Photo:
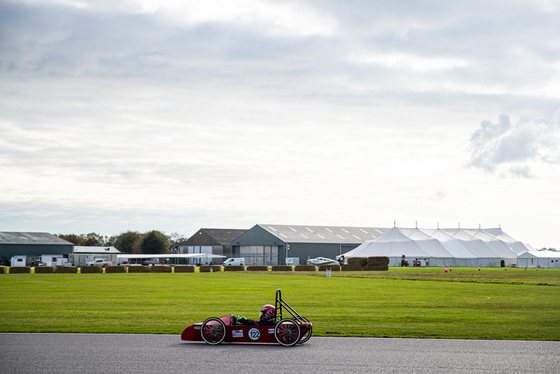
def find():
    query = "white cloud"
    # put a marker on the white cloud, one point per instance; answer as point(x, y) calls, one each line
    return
point(408, 61)
point(515, 148)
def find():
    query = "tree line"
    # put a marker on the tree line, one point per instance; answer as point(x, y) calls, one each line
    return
point(154, 241)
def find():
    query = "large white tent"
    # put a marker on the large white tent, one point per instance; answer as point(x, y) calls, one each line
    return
point(444, 247)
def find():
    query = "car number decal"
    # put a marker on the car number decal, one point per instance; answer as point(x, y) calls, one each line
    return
point(254, 334)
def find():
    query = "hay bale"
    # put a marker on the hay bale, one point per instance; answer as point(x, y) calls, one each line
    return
point(3, 270)
point(331, 267)
point(377, 267)
point(65, 270)
point(282, 268)
point(115, 269)
point(205, 268)
point(351, 267)
point(234, 268)
point(160, 269)
point(183, 269)
point(91, 269)
point(44, 270)
point(378, 260)
point(20, 270)
point(362, 261)
point(139, 269)
point(257, 268)
point(304, 268)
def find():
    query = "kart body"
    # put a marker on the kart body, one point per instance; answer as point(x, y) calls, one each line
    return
point(286, 332)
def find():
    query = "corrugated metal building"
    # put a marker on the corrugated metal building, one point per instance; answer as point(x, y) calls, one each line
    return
point(272, 244)
point(32, 244)
point(213, 241)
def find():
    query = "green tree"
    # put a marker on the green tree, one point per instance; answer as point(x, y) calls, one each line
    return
point(94, 240)
point(73, 238)
point(125, 242)
point(155, 242)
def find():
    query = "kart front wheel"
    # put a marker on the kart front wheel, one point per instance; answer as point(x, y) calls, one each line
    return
point(306, 335)
point(287, 332)
point(213, 331)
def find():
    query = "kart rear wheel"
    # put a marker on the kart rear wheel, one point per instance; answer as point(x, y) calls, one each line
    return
point(287, 332)
point(213, 331)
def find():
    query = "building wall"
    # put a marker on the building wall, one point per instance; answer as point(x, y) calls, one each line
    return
point(257, 236)
point(33, 250)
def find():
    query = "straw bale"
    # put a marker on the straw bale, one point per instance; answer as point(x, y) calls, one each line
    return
point(234, 268)
point(327, 267)
point(139, 269)
point(362, 261)
point(44, 269)
point(3, 270)
point(20, 270)
point(351, 267)
point(378, 260)
point(91, 269)
point(160, 269)
point(65, 270)
point(257, 268)
point(304, 268)
point(377, 267)
point(183, 269)
point(282, 268)
point(205, 268)
point(115, 269)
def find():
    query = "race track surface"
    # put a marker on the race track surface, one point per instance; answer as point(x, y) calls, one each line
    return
point(106, 353)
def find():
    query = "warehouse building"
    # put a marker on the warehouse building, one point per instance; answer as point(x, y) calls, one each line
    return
point(211, 241)
point(32, 245)
point(273, 244)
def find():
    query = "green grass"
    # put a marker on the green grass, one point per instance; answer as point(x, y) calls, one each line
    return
point(413, 302)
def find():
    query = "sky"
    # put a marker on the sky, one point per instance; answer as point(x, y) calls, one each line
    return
point(176, 115)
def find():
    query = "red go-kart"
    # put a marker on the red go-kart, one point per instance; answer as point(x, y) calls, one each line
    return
point(285, 331)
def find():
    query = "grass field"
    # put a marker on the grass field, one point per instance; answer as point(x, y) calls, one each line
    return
point(411, 302)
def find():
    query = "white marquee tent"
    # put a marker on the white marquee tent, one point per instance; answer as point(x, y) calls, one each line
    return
point(444, 247)
point(541, 259)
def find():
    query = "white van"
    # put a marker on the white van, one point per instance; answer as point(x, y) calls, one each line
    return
point(234, 261)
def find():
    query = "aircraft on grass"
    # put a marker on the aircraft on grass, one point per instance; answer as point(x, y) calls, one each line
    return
point(322, 261)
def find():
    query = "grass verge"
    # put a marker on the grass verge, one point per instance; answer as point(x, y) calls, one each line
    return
point(412, 303)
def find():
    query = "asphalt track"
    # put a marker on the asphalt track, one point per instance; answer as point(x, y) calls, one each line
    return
point(107, 353)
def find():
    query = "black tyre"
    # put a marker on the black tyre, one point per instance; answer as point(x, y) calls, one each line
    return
point(213, 331)
point(306, 335)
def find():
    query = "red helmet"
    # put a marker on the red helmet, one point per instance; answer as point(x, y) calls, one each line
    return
point(268, 312)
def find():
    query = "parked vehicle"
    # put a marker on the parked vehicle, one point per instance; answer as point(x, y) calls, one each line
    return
point(234, 262)
point(98, 262)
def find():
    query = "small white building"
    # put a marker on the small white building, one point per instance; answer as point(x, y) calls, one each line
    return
point(83, 254)
point(540, 259)
point(18, 260)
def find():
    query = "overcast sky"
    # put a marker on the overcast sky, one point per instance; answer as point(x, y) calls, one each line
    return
point(175, 115)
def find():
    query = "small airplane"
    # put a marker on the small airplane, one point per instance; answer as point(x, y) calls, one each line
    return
point(322, 261)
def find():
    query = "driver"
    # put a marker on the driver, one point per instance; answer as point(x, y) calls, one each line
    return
point(267, 315)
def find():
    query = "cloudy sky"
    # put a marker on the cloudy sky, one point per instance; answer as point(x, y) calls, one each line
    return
point(175, 115)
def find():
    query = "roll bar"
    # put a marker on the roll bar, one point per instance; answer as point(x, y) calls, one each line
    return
point(280, 304)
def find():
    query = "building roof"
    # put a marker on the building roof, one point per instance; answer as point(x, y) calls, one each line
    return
point(324, 234)
point(30, 238)
point(89, 249)
point(224, 236)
